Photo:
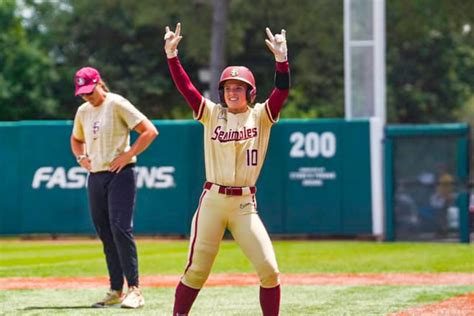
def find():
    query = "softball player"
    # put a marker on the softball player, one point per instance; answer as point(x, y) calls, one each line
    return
point(101, 143)
point(235, 143)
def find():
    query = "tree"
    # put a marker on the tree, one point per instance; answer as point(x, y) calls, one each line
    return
point(430, 64)
point(124, 40)
point(315, 42)
point(430, 60)
point(26, 72)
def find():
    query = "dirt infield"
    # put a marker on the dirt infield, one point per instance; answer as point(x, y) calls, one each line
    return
point(456, 306)
point(460, 306)
point(236, 279)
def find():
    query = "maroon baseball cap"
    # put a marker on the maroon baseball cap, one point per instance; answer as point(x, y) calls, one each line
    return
point(86, 78)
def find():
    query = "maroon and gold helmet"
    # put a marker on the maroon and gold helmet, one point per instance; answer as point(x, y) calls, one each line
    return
point(239, 73)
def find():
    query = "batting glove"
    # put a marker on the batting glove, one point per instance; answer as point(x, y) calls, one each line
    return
point(172, 40)
point(277, 45)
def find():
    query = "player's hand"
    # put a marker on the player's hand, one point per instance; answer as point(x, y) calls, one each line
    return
point(277, 45)
point(172, 40)
point(121, 161)
point(86, 163)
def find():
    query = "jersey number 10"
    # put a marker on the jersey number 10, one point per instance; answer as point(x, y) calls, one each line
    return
point(252, 157)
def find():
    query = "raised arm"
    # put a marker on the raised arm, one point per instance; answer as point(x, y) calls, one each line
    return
point(277, 45)
point(179, 75)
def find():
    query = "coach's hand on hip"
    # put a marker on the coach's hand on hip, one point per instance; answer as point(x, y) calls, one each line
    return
point(84, 161)
point(121, 161)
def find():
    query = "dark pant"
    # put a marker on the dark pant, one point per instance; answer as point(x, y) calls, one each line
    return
point(112, 201)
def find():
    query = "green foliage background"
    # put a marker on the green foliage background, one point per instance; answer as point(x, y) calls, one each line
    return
point(430, 64)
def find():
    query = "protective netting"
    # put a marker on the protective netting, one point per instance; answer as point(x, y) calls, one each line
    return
point(425, 188)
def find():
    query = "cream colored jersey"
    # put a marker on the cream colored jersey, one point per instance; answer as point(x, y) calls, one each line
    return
point(106, 129)
point(235, 145)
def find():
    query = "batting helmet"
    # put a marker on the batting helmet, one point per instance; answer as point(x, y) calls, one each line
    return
point(240, 73)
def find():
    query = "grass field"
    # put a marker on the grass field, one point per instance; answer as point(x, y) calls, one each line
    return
point(84, 258)
point(296, 300)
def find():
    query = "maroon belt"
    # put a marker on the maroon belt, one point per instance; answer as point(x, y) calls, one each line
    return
point(229, 190)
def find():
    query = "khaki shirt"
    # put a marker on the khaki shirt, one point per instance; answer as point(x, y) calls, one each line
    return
point(106, 129)
point(235, 145)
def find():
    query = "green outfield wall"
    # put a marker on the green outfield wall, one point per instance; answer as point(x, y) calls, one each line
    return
point(316, 179)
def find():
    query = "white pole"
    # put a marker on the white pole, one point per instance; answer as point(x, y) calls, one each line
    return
point(379, 60)
point(347, 60)
point(374, 42)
